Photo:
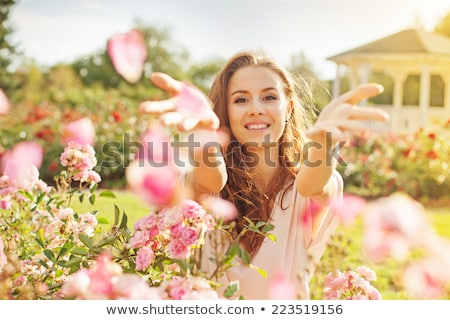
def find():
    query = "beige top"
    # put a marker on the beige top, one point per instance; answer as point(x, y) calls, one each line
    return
point(295, 253)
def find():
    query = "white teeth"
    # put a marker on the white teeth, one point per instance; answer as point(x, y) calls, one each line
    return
point(257, 126)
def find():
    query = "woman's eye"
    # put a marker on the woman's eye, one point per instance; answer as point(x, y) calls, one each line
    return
point(270, 97)
point(240, 100)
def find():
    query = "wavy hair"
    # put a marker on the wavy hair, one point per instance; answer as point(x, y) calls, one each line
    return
point(240, 188)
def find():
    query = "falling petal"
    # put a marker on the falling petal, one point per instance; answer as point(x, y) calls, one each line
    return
point(348, 208)
point(81, 131)
point(281, 288)
point(192, 102)
point(220, 208)
point(20, 164)
point(128, 52)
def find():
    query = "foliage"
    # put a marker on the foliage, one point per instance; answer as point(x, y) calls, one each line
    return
point(443, 26)
point(415, 163)
point(8, 49)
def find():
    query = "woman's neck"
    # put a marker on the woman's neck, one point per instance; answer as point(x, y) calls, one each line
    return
point(265, 166)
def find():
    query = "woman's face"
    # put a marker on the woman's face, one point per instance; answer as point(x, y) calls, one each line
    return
point(257, 106)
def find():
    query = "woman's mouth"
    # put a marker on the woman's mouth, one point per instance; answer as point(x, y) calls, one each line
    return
point(257, 126)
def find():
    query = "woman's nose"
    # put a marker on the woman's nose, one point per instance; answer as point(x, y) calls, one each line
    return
point(256, 108)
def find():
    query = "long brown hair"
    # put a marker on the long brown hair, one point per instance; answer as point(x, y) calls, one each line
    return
point(240, 188)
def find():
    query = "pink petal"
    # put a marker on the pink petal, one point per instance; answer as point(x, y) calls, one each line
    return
point(220, 208)
point(156, 146)
point(20, 164)
point(155, 185)
point(281, 288)
point(192, 102)
point(4, 103)
point(128, 53)
point(348, 208)
point(81, 131)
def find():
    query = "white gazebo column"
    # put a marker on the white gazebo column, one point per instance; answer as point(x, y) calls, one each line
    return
point(397, 100)
point(353, 76)
point(337, 82)
point(364, 72)
point(424, 94)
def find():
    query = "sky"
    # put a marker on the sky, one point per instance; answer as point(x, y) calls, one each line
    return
point(53, 31)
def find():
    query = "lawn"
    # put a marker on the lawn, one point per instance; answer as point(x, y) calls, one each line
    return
point(344, 252)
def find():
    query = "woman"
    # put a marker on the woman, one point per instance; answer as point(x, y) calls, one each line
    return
point(276, 168)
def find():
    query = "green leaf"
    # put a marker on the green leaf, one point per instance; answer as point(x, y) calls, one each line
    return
point(231, 289)
point(106, 241)
point(59, 273)
point(43, 263)
point(86, 241)
point(116, 215)
point(102, 220)
point(268, 228)
point(50, 255)
point(26, 194)
point(244, 255)
point(272, 237)
point(262, 272)
point(93, 188)
point(81, 197)
point(40, 243)
point(40, 197)
point(107, 194)
point(123, 223)
point(92, 199)
point(80, 251)
point(73, 261)
point(231, 253)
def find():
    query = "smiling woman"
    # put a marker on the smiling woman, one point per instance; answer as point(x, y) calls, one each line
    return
point(259, 104)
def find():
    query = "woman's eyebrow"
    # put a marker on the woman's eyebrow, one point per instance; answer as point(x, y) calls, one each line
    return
point(245, 91)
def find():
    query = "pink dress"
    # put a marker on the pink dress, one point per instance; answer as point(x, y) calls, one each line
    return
point(295, 252)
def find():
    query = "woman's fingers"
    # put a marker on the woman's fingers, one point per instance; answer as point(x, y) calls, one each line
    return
point(368, 113)
point(158, 107)
point(361, 92)
point(166, 82)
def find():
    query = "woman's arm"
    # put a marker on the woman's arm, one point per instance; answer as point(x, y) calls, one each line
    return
point(190, 110)
point(336, 124)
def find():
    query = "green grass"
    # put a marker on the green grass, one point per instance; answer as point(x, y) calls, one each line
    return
point(125, 201)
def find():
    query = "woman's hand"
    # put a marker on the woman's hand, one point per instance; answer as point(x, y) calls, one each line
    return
point(189, 109)
point(342, 118)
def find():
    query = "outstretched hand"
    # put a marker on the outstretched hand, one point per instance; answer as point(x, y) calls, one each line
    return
point(188, 109)
point(342, 117)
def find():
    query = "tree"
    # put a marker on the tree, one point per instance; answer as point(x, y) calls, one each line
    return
point(443, 26)
point(202, 74)
point(314, 90)
point(7, 50)
point(164, 55)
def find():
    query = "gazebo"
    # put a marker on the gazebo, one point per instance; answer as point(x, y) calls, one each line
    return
point(400, 57)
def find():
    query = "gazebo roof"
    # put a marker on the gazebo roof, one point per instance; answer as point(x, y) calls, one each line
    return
point(406, 41)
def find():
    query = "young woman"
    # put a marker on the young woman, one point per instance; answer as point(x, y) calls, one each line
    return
point(277, 167)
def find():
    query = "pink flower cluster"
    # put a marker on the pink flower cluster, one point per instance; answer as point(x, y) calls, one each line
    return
point(190, 288)
point(106, 281)
point(80, 161)
point(171, 232)
point(57, 226)
point(9, 190)
point(61, 222)
point(351, 285)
